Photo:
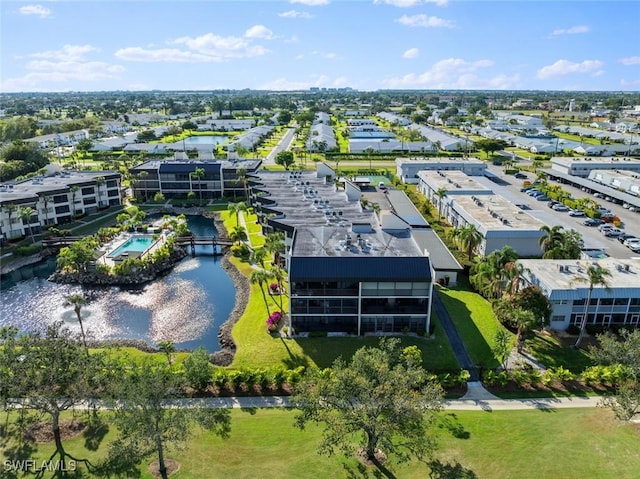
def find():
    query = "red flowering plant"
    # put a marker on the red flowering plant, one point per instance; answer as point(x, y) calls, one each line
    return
point(273, 321)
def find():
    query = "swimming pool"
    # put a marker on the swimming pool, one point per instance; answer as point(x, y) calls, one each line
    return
point(138, 244)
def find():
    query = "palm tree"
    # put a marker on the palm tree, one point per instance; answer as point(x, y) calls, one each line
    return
point(242, 178)
point(552, 238)
point(77, 301)
point(238, 234)
point(11, 208)
point(279, 275)
point(260, 277)
point(199, 174)
point(274, 243)
point(46, 200)
point(258, 256)
point(168, 348)
point(74, 191)
point(470, 238)
point(525, 321)
point(596, 276)
point(236, 208)
point(441, 193)
point(513, 272)
point(25, 215)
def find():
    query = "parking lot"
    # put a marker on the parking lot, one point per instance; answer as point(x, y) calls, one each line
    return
point(509, 187)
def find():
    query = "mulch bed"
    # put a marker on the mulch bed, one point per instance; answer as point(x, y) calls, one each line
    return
point(41, 432)
point(171, 465)
point(361, 455)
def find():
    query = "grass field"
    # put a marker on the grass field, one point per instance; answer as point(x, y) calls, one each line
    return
point(563, 443)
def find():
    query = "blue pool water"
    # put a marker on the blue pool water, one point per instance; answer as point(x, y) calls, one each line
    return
point(139, 244)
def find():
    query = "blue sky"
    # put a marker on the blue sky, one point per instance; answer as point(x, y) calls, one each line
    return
point(297, 44)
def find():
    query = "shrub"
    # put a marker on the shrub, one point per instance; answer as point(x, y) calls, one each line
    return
point(27, 250)
point(198, 369)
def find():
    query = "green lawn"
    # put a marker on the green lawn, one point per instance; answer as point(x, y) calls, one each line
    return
point(475, 322)
point(564, 443)
point(553, 354)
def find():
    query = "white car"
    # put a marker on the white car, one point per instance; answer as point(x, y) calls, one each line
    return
point(604, 227)
point(631, 242)
point(560, 207)
point(613, 232)
point(576, 213)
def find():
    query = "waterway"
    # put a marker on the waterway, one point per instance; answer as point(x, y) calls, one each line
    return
point(187, 306)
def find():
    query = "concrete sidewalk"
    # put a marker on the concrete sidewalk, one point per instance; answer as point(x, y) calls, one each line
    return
point(462, 404)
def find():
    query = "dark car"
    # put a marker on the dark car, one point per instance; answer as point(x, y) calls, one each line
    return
point(551, 204)
point(592, 222)
point(521, 176)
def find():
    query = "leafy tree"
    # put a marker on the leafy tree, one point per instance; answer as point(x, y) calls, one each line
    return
point(490, 145)
point(596, 276)
point(522, 320)
point(78, 301)
point(147, 420)
point(45, 375)
point(381, 395)
point(189, 125)
point(145, 136)
point(533, 299)
point(284, 117)
point(78, 255)
point(198, 369)
point(284, 158)
point(624, 350)
point(19, 158)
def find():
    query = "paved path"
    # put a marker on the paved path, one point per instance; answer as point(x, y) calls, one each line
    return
point(491, 403)
point(283, 145)
point(464, 360)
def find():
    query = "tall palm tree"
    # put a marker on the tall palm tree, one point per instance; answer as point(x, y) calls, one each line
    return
point(74, 191)
point(596, 276)
point(142, 176)
point(470, 238)
point(77, 301)
point(441, 193)
point(242, 179)
point(274, 242)
point(46, 200)
point(279, 275)
point(236, 208)
point(199, 174)
point(10, 208)
point(168, 347)
point(25, 215)
point(238, 234)
point(525, 321)
point(260, 277)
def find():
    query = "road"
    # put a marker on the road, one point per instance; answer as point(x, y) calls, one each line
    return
point(283, 145)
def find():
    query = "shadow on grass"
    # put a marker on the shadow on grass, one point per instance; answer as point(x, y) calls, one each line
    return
point(294, 360)
point(94, 434)
point(475, 343)
point(444, 470)
point(360, 471)
point(449, 421)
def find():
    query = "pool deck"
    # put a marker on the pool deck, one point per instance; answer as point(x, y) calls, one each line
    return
point(108, 248)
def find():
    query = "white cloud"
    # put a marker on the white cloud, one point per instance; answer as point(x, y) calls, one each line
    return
point(66, 53)
point(565, 67)
point(42, 12)
point(294, 14)
point(629, 83)
point(162, 55)
point(424, 21)
point(311, 3)
point(455, 73)
point(222, 48)
point(630, 61)
point(259, 31)
point(411, 53)
point(571, 30)
point(410, 3)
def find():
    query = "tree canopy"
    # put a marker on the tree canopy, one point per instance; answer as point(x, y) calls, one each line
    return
point(284, 158)
point(381, 395)
point(489, 145)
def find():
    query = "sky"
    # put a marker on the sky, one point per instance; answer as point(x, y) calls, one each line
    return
point(93, 45)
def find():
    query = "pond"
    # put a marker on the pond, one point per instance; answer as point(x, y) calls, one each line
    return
point(187, 306)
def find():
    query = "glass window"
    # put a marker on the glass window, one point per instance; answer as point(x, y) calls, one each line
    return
point(621, 301)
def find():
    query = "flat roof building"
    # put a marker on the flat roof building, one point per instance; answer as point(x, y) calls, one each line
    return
point(582, 166)
point(407, 169)
point(566, 285)
point(350, 270)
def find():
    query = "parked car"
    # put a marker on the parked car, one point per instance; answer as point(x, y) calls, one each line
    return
point(551, 204)
point(598, 195)
point(634, 209)
point(602, 210)
point(576, 213)
point(625, 237)
point(629, 242)
point(533, 191)
point(542, 198)
point(613, 232)
point(521, 176)
point(635, 247)
point(560, 207)
point(604, 227)
point(592, 222)
point(524, 189)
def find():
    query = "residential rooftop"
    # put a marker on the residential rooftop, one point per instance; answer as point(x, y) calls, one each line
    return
point(444, 161)
point(587, 160)
point(493, 212)
point(453, 181)
point(572, 274)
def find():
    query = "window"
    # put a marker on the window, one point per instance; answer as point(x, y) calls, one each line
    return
point(557, 318)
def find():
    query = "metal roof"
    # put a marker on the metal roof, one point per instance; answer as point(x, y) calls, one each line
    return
point(441, 258)
point(175, 167)
point(304, 268)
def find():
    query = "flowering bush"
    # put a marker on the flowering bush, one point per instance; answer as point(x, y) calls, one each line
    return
point(273, 321)
point(273, 287)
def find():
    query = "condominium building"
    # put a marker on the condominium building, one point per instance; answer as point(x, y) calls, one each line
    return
point(55, 200)
point(566, 285)
point(407, 169)
point(350, 269)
